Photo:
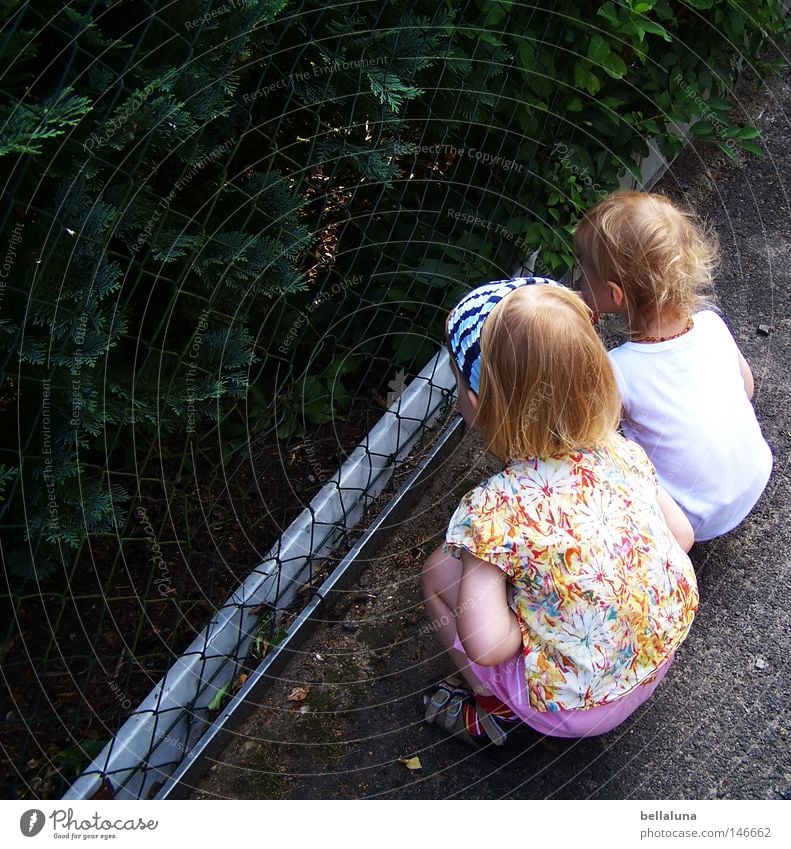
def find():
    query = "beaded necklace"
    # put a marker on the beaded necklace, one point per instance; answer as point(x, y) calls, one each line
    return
point(686, 329)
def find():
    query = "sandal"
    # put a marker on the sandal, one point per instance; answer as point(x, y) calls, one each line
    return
point(454, 711)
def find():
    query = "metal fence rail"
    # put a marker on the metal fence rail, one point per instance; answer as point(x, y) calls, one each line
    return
point(174, 716)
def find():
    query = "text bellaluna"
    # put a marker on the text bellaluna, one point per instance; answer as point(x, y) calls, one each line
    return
point(666, 815)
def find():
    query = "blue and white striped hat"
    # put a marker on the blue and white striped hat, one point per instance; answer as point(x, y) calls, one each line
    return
point(465, 323)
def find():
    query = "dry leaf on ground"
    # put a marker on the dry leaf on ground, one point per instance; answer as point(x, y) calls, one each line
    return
point(298, 694)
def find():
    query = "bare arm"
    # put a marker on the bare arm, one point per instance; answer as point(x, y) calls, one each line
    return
point(676, 520)
point(486, 625)
point(747, 376)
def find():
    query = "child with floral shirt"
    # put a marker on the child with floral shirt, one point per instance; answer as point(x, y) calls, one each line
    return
point(563, 589)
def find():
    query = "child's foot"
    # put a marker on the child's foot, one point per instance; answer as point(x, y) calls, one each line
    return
point(478, 721)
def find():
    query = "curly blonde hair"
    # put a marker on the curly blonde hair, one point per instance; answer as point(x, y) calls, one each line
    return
point(659, 255)
point(547, 385)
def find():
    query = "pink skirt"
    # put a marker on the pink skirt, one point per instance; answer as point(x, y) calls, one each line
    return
point(507, 682)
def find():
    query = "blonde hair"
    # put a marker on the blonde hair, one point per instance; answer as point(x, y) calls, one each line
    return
point(547, 386)
point(658, 254)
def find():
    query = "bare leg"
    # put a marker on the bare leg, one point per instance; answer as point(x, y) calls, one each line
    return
point(676, 520)
point(441, 576)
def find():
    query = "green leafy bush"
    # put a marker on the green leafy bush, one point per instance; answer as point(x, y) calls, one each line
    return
point(217, 210)
point(145, 234)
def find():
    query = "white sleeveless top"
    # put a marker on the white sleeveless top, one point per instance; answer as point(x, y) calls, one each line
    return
point(685, 404)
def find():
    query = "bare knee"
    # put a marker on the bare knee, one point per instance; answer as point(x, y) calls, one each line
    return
point(441, 573)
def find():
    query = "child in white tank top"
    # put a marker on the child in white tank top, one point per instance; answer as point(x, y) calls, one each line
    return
point(685, 386)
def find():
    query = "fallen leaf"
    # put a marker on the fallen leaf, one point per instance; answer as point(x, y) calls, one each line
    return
point(216, 702)
point(298, 694)
point(396, 387)
point(411, 763)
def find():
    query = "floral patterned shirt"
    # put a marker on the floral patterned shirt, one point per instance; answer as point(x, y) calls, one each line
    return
point(602, 591)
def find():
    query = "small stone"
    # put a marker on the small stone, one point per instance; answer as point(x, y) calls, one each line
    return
point(764, 329)
point(350, 627)
point(760, 663)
